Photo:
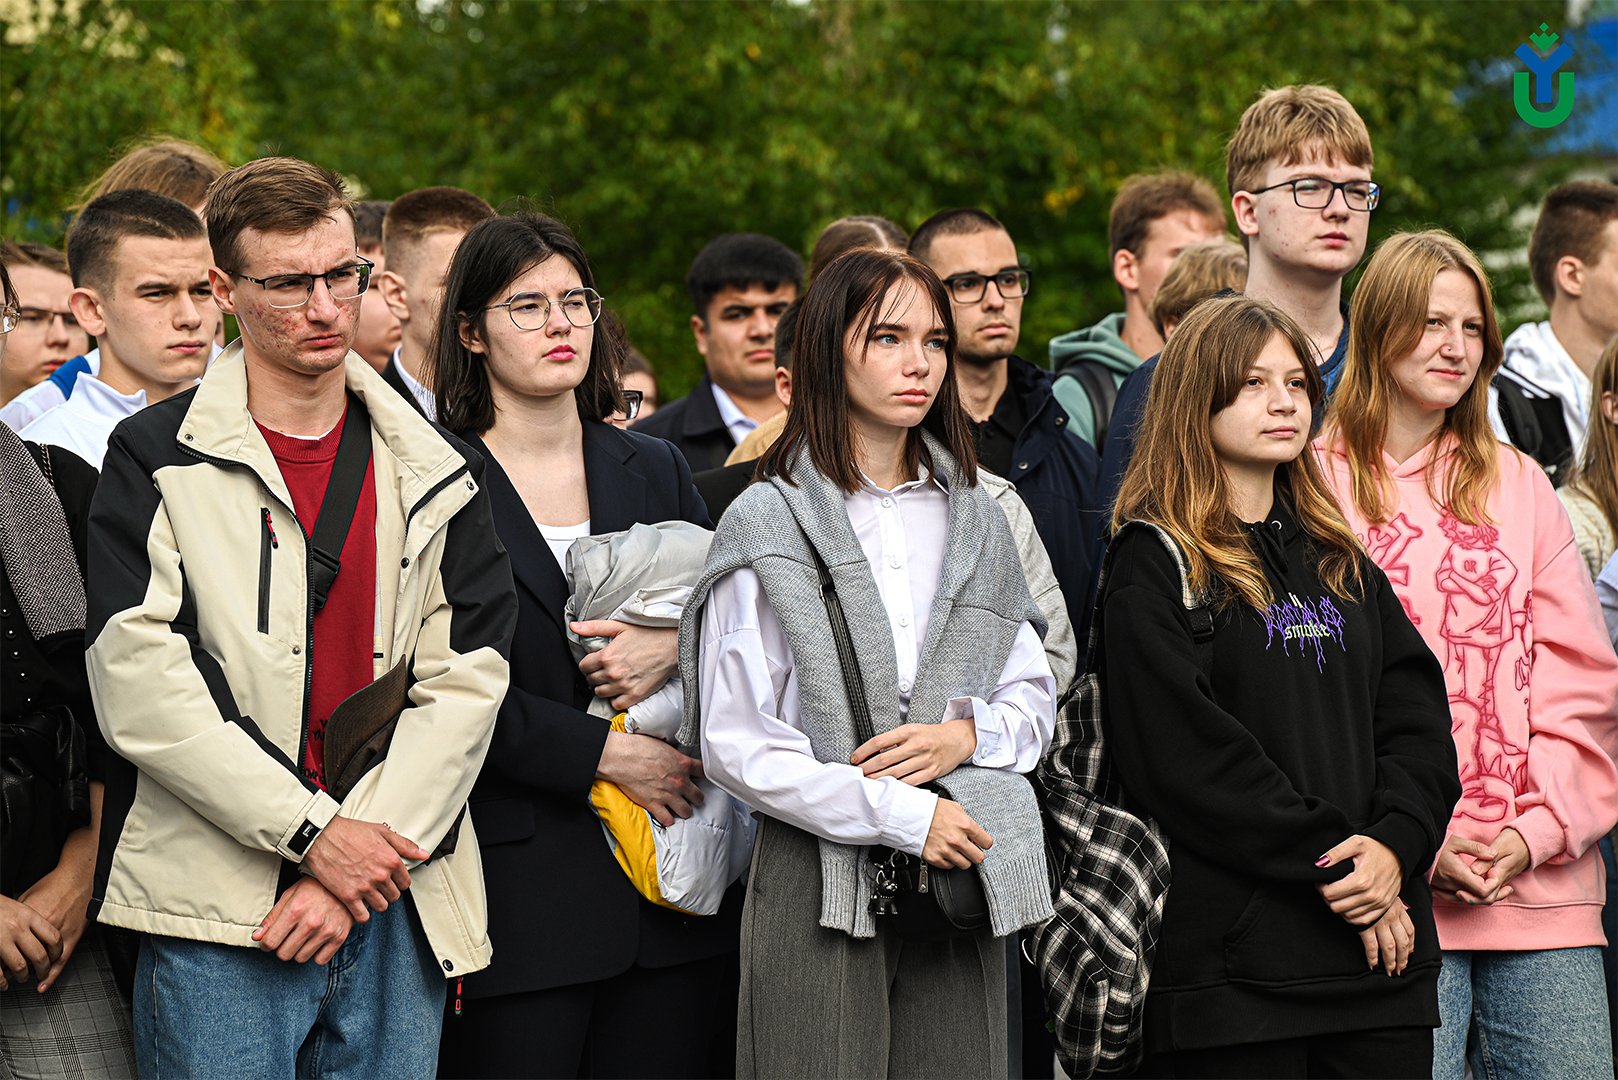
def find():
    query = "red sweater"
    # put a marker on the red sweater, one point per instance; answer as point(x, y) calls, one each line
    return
point(343, 644)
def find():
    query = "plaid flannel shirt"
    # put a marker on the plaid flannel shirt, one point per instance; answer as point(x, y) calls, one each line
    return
point(1111, 870)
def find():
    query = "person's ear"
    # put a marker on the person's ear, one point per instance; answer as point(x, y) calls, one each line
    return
point(394, 294)
point(783, 385)
point(88, 307)
point(471, 339)
point(1609, 406)
point(1570, 275)
point(1126, 270)
point(224, 290)
point(699, 331)
point(1244, 209)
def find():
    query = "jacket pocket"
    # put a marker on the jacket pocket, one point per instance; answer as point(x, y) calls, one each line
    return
point(503, 821)
point(1287, 934)
point(266, 544)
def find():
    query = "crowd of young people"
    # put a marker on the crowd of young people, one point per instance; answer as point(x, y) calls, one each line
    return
point(308, 723)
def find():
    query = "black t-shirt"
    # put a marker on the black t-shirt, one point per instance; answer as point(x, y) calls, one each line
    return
point(996, 437)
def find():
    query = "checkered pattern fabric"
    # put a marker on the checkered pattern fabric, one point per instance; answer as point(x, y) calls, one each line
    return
point(1111, 870)
point(79, 1028)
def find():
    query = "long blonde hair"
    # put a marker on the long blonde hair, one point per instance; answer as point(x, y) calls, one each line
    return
point(1389, 313)
point(1175, 479)
point(1597, 475)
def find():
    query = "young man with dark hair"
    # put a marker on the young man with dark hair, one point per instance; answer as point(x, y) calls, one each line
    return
point(47, 334)
point(1154, 218)
point(140, 273)
point(299, 620)
point(1542, 394)
point(420, 233)
point(739, 285)
point(378, 334)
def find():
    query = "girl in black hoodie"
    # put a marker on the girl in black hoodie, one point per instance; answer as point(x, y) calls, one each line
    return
point(1300, 763)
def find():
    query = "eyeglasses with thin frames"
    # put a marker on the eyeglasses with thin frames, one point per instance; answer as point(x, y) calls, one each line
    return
point(970, 288)
point(1316, 193)
point(10, 315)
point(532, 310)
point(287, 291)
point(38, 320)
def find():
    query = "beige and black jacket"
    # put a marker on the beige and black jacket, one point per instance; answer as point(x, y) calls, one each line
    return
point(199, 664)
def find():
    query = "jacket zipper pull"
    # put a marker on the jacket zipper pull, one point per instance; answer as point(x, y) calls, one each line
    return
point(457, 997)
point(921, 879)
point(269, 527)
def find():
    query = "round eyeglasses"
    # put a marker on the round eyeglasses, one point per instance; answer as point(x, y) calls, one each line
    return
point(294, 290)
point(971, 288)
point(532, 310)
point(1316, 193)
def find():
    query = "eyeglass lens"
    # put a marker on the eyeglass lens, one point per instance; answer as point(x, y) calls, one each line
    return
point(1316, 194)
point(294, 290)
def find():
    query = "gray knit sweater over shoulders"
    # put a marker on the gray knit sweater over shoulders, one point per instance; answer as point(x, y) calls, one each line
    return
point(981, 602)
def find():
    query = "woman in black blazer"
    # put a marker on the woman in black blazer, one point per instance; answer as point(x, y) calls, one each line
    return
point(585, 970)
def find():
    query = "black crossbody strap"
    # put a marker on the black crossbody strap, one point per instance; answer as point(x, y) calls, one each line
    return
point(853, 680)
point(342, 499)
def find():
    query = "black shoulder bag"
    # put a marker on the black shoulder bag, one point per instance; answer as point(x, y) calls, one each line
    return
point(916, 901)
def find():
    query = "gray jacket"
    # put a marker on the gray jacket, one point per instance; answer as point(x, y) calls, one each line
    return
point(981, 603)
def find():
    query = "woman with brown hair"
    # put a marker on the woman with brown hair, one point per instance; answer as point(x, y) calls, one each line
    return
point(1268, 703)
point(1472, 532)
point(872, 485)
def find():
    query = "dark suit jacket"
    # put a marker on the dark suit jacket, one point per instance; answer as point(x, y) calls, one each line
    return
point(693, 424)
point(393, 378)
point(719, 487)
point(561, 910)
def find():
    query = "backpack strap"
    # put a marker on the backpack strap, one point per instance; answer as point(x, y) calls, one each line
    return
point(1532, 417)
point(1197, 607)
point(1102, 392)
point(342, 499)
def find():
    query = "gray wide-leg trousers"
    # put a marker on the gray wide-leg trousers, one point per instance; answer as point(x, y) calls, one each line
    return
point(819, 1003)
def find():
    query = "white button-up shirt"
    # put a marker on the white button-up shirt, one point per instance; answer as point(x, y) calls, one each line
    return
point(754, 744)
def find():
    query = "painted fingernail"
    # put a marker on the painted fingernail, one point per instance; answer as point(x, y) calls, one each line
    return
point(1407, 906)
point(1323, 860)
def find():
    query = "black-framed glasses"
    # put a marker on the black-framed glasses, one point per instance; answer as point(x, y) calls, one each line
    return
point(632, 402)
point(10, 315)
point(532, 310)
point(294, 290)
point(970, 288)
point(1316, 193)
point(38, 320)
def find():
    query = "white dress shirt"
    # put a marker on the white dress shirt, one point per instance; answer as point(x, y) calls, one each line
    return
point(737, 422)
point(423, 395)
point(754, 744)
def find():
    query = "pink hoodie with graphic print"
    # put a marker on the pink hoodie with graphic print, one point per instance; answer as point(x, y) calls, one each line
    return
point(1509, 611)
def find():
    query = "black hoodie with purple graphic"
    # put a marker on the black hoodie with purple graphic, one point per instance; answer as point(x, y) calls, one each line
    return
point(1325, 718)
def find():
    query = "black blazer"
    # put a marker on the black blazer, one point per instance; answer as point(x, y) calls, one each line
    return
point(694, 426)
point(561, 910)
point(720, 487)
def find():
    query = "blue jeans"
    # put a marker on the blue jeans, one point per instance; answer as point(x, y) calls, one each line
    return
point(1536, 1015)
point(376, 1009)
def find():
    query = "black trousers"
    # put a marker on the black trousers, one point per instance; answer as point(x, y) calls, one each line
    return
point(1379, 1054)
point(676, 1022)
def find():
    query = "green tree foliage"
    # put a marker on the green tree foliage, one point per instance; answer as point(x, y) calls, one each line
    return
point(651, 127)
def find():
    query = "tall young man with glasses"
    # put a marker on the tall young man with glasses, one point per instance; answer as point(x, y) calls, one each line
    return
point(224, 637)
point(1299, 170)
point(48, 334)
point(1022, 433)
point(140, 274)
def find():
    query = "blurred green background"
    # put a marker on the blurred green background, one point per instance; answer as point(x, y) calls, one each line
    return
point(651, 127)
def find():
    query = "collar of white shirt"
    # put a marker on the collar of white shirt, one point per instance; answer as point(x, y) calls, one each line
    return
point(423, 395)
point(736, 422)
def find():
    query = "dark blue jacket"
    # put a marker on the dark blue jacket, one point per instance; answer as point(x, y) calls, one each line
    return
point(1058, 476)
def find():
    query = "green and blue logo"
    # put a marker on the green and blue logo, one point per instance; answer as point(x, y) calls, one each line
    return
point(1544, 60)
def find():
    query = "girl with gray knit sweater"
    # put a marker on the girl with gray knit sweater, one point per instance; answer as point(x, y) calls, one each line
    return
point(874, 473)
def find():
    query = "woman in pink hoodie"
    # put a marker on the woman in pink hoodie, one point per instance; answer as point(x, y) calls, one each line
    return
point(1481, 553)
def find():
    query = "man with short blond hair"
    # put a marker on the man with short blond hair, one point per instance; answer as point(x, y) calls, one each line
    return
point(420, 233)
point(299, 622)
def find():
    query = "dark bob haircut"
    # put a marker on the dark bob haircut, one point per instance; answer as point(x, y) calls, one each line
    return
point(494, 254)
point(845, 300)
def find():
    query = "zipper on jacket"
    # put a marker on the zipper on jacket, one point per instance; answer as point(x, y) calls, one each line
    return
point(266, 543)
